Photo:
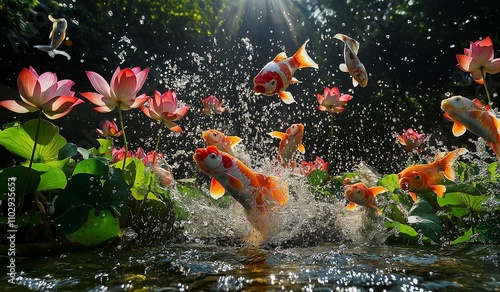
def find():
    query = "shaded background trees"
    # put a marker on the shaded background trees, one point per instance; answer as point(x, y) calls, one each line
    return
point(203, 47)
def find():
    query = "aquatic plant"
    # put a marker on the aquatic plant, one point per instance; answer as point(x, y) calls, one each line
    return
point(411, 140)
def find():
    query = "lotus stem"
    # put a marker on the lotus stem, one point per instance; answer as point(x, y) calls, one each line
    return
point(120, 116)
point(154, 158)
point(486, 86)
point(330, 151)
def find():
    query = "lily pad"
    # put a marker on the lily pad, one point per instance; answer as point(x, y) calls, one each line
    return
point(99, 227)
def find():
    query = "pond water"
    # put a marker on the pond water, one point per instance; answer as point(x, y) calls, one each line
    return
point(327, 267)
point(186, 241)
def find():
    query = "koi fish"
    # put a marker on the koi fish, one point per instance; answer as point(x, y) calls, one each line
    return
point(428, 177)
point(276, 75)
point(352, 63)
point(57, 36)
point(291, 141)
point(473, 116)
point(219, 140)
point(260, 195)
point(360, 194)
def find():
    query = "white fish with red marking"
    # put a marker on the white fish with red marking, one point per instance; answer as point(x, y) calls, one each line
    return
point(276, 75)
point(57, 36)
point(352, 63)
point(473, 116)
point(291, 141)
point(261, 196)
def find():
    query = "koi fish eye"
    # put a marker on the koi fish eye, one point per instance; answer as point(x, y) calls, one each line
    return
point(417, 177)
point(212, 156)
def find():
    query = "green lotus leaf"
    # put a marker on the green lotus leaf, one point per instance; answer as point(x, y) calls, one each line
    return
point(92, 166)
point(14, 178)
point(99, 227)
point(72, 219)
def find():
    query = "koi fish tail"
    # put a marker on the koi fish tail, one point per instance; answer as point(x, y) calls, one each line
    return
point(447, 162)
point(44, 48)
point(495, 146)
point(279, 190)
point(303, 58)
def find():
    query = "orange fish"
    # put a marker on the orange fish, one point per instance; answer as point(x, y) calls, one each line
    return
point(219, 140)
point(291, 141)
point(428, 177)
point(259, 194)
point(276, 75)
point(352, 63)
point(57, 36)
point(473, 116)
point(360, 194)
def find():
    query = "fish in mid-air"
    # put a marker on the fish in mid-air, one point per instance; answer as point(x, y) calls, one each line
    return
point(429, 177)
point(276, 75)
point(57, 36)
point(352, 63)
point(221, 141)
point(261, 196)
point(475, 117)
point(360, 194)
point(291, 141)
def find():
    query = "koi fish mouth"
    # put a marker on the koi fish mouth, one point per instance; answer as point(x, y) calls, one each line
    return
point(404, 184)
point(259, 89)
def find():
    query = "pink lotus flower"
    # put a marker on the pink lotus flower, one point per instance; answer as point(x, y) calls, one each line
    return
point(411, 140)
point(478, 58)
point(332, 101)
point(118, 155)
point(308, 167)
point(212, 105)
point(54, 98)
point(147, 159)
point(121, 91)
point(109, 129)
point(164, 109)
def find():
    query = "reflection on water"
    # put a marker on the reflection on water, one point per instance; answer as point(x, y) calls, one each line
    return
point(215, 268)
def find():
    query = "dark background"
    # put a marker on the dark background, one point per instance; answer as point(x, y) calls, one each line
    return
point(202, 48)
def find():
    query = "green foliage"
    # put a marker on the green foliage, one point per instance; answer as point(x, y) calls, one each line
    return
point(20, 175)
point(99, 226)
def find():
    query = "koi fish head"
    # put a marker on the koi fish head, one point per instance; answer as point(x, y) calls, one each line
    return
point(266, 82)
point(356, 192)
point(457, 103)
point(295, 130)
point(211, 161)
point(412, 180)
point(212, 137)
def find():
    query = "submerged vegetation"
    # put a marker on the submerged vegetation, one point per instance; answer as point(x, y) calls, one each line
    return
point(60, 190)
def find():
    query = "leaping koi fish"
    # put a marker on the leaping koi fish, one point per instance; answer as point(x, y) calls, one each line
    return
point(276, 75)
point(260, 195)
point(219, 140)
point(352, 63)
point(291, 141)
point(360, 194)
point(57, 36)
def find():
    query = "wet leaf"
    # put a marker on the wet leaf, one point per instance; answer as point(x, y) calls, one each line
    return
point(317, 177)
point(403, 229)
point(389, 181)
point(72, 219)
point(68, 150)
point(16, 184)
point(92, 166)
point(51, 178)
point(422, 218)
point(99, 227)
point(459, 201)
point(82, 189)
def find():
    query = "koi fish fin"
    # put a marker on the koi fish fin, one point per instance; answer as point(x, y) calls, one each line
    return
point(216, 189)
point(286, 97)
point(496, 121)
point(280, 57)
point(279, 190)
point(495, 147)
point(277, 134)
point(458, 129)
point(447, 162)
point(301, 148)
point(235, 183)
point(414, 197)
point(294, 80)
point(343, 67)
point(377, 190)
point(439, 190)
point(351, 206)
point(52, 19)
point(232, 140)
point(354, 82)
point(44, 48)
point(379, 212)
point(303, 58)
point(447, 116)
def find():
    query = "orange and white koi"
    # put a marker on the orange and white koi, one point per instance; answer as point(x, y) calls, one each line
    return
point(428, 177)
point(260, 195)
point(219, 140)
point(352, 63)
point(473, 116)
point(360, 194)
point(57, 36)
point(291, 141)
point(276, 75)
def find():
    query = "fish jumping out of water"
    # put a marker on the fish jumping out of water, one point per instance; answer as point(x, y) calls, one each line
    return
point(428, 177)
point(291, 141)
point(473, 116)
point(360, 194)
point(352, 63)
point(219, 140)
point(57, 36)
point(260, 195)
point(276, 75)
